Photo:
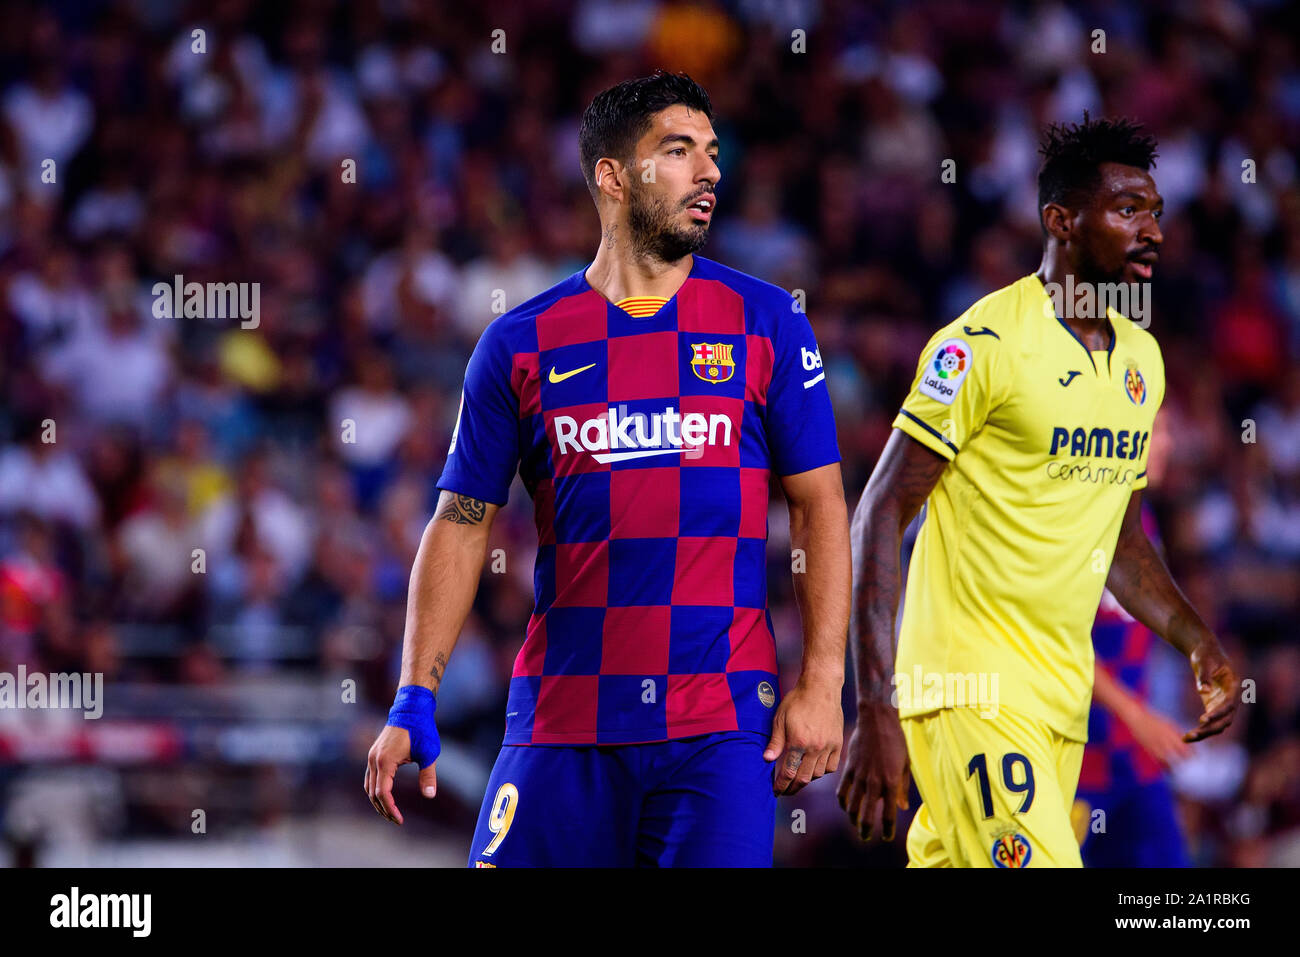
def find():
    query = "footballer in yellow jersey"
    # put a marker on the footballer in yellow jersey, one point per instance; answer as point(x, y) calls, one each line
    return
point(1025, 434)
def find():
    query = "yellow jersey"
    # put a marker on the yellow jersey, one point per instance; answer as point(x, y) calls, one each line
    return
point(1047, 441)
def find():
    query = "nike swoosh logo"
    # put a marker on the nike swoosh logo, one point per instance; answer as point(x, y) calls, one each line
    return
point(554, 377)
point(1069, 377)
point(985, 331)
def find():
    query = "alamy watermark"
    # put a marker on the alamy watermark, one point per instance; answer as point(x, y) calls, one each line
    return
point(946, 689)
point(78, 691)
point(133, 912)
point(208, 300)
point(1089, 300)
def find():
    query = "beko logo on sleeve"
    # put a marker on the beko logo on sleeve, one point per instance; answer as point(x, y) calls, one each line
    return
point(811, 360)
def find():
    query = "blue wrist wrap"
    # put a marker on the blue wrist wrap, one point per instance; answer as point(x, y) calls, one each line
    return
point(413, 710)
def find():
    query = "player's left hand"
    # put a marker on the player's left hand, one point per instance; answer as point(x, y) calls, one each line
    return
point(1158, 737)
point(807, 734)
point(1217, 685)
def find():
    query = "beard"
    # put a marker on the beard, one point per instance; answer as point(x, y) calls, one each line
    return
point(654, 233)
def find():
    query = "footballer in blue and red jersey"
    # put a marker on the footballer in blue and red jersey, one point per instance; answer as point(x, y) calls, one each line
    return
point(647, 443)
point(1118, 776)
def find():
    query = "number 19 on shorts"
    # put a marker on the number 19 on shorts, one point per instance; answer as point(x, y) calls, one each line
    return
point(1017, 777)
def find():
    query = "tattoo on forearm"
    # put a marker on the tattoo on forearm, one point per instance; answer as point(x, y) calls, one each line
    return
point(463, 510)
point(439, 666)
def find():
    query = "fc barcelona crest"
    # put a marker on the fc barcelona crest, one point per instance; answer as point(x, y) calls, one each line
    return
point(712, 362)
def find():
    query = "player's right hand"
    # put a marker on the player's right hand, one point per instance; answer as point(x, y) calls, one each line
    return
point(1217, 684)
point(390, 751)
point(875, 778)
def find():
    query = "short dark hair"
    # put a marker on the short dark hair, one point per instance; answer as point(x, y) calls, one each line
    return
point(1073, 154)
point(621, 115)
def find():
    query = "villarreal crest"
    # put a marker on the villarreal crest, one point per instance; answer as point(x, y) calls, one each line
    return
point(712, 362)
point(1011, 849)
point(1135, 385)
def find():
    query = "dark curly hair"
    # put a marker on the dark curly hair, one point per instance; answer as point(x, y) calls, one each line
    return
point(621, 115)
point(1073, 154)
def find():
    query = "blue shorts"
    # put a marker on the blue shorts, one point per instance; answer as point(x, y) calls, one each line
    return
point(705, 801)
point(1141, 828)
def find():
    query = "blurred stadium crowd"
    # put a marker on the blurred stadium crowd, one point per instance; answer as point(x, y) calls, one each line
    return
point(229, 164)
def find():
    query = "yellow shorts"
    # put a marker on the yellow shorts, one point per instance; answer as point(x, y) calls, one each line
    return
point(995, 792)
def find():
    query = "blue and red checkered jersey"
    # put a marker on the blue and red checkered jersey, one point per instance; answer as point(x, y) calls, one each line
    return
point(647, 446)
point(1122, 646)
